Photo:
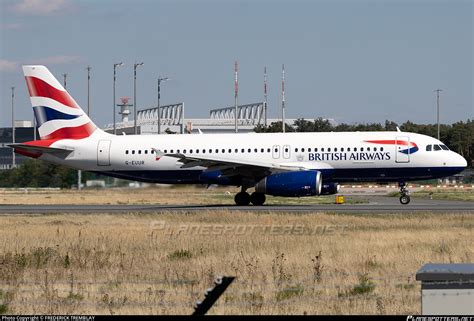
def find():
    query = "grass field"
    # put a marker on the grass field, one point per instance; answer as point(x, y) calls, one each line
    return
point(183, 195)
point(284, 263)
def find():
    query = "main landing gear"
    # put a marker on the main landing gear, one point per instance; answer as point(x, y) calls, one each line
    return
point(404, 194)
point(243, 198)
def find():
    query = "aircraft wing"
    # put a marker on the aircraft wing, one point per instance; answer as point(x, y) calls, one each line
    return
point(246, 168)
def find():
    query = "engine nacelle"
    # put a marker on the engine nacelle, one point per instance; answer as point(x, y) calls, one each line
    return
point(330, 189)
point(292, 184)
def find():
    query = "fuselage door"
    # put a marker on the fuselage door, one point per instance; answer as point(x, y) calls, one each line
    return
point(286, 151)
point(402, 149)
point(103, 153)
point(276, 151)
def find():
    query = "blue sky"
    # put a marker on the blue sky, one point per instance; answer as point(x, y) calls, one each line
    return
point(354, 61)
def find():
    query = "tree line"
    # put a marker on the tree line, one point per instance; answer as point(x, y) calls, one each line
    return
point(458, 136)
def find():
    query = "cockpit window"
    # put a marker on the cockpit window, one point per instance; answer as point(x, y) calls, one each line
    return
point(437, 147)
point(444, 147)
point(428, 148)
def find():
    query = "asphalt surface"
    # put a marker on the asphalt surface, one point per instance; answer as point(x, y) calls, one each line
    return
point(376, 204)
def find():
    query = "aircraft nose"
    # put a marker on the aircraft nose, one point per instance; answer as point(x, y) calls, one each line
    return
point(460, 161)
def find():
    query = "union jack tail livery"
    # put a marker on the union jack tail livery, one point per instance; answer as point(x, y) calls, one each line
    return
point(57, 114)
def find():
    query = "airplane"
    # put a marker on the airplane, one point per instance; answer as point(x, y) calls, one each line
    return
point(278, 164)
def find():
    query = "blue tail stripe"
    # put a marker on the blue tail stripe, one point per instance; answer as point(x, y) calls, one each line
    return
point(44, 114)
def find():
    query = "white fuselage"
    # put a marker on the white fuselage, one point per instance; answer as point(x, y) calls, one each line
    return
point(340, 156)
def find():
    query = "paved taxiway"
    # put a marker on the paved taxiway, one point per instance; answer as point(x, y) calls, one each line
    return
point(376, 204)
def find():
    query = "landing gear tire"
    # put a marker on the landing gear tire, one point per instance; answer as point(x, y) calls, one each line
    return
point(257, 199)
point(242, 199)
point(404, 199)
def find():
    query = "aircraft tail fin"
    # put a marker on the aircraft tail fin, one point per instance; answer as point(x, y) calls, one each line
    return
point(57, 114)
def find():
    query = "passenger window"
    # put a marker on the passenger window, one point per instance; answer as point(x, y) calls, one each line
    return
point(146, 151)
point(368, 149)
point(315, 149)
point(322, 149)
point(428, 148)
point(444, 147)
point(309, 149)
point(348, 149)
point(223, 150)
point(342, 149)
point(381, 149)
point(436, 147)
point(236, 150)
point(152, 151)
point(375, 149)
point(286, 150)
point(255, 150)
point(262, 150)
point(184, 151)
point(177, 151)
point(329, 149)
point(362, 149)
point(242, 150)
point(296, 149)
point(171, 151)
point(217, 151)
point(139, 151)
point(197, 151)
point(249, 150)
point(230, 150)
point(355, 149)
point(126, 152)
point(190, 151)
point(335, 149)
point(268, 150)
point(302, 149)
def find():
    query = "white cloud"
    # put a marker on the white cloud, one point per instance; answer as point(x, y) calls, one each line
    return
point(8, 66)
point(39, 7)
point(57, 60)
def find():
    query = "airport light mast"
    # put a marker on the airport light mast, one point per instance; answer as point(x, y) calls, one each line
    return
point(437, 107)
point(160, 80)
point(120, 64)
point(13, 127)
point(135, 65)
point(265, 103)
point(283, 98)
point(236, 95)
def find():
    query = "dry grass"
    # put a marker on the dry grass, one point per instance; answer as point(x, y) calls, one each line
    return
point(165, 195)
point(161, 264)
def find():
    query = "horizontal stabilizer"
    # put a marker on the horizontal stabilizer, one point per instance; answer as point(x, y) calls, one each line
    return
point(40, 149)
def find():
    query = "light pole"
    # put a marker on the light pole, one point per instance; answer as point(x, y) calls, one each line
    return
point(120, 64)
point(236, 95)
point(135, 65)
point(13, 127)
point(160, 79)
point(437, 107)
point(283, 98)
point(88, 90)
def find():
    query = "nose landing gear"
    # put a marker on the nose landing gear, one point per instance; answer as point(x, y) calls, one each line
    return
point(404, 194)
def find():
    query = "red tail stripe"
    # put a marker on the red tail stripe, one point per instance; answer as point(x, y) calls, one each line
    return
point(39, 88)
point(72, 132)
point(391, 142)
